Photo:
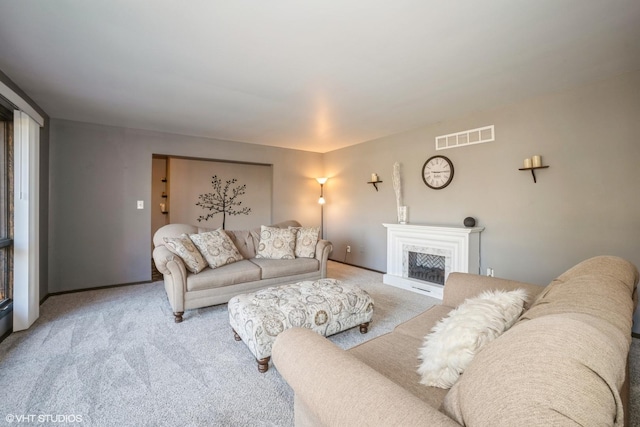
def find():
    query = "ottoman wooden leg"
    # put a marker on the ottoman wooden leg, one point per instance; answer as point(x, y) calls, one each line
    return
point(364, 328)
point(178, 316)
point(235, 335)
point(263, 365)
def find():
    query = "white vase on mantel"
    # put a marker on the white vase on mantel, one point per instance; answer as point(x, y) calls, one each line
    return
point(403, 214)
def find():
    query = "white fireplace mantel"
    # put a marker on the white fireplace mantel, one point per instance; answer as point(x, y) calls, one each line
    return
point(459, 245)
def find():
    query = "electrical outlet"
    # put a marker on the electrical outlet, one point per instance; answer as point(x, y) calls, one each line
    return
point(348, 249)
point(140, 204)
point(489, 271)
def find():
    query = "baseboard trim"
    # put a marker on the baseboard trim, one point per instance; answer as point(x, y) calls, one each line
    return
point(359, 266)
point(96, 288)
point(634, 335)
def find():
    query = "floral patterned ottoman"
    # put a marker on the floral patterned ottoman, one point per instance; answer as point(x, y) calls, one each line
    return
point(326, 306)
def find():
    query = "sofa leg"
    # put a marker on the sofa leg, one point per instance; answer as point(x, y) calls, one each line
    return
point(178, 316)
point(263, 365)
point(364, 328)
point(235, 335)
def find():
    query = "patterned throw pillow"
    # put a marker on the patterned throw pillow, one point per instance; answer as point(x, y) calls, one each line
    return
point(276, 243)
point(216, 247)
point(185, 249)
point(306, 240)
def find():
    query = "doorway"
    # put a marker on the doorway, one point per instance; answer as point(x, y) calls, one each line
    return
point(159, 201)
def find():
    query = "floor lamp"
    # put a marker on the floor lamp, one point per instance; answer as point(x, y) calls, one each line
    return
point(321, 202)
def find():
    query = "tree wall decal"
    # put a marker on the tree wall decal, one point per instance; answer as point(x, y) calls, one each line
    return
point(223, 200)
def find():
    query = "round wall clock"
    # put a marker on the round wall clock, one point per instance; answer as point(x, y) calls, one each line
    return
point(437, 172)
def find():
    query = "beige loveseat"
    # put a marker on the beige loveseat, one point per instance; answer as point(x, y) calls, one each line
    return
point(187, 290)
point(564, 362)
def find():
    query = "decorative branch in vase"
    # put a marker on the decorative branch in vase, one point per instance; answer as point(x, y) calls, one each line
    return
point(397, 187)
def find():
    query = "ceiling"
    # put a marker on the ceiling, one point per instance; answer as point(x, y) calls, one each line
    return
point(314, 75)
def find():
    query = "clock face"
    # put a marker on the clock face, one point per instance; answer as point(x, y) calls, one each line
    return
point(437, 172)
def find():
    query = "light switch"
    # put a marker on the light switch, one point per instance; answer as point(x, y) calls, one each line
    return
point(140, 204)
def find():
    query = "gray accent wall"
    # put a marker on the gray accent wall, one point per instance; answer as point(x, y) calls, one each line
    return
point(97, 173)
point(587, 203)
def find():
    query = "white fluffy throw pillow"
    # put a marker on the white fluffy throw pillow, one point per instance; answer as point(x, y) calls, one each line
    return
point(455, 339)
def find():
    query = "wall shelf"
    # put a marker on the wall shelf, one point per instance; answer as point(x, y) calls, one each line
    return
point(374, 184)
point(165, 197)
point(532, 169)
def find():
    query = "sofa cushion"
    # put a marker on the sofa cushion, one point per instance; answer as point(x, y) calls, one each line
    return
point(604, 297)
point(553, 370)
point(461, 286)
point(454, 340)
point(187, 251)
point(286, 267)
point(306, 240)
point(276, 243)
point(246, 241)
point(420, 325)
point(395, 356)
point(615, 267)
point(230, 274)
point(216, 247)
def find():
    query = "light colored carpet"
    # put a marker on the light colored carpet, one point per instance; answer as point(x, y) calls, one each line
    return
point(116, 358)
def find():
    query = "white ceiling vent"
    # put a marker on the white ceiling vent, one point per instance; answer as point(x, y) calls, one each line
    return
point(467, 137)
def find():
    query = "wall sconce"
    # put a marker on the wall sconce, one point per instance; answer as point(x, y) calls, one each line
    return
point(321, 201)
point(375, 180)
point(531, 164)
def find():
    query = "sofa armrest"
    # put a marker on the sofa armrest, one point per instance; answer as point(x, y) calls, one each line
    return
point(460, 286)
point(323, 250)
point(170, 264)
point(340, 390)
point(175, 276)
point(161, 256)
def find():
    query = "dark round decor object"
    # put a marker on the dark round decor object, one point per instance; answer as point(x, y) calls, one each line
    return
point(469, 221)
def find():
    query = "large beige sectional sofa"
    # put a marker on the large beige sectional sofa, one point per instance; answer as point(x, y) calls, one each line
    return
point(563, 363)
point(187, 290)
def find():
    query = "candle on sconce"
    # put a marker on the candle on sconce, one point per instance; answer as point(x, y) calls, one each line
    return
point(527, 163)
point(537, 161)
point(374, 177)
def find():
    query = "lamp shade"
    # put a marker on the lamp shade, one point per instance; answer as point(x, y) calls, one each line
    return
point(321, 181)
point(321, 201)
